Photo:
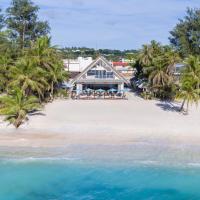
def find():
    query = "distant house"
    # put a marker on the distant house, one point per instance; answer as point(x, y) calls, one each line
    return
point(100, 74)
point(125, 68)
point(178, 69)
point(120, 64)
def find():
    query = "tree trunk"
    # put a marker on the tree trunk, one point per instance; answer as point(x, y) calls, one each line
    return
point(22, 36)
point(187, 110)
point(18, 122)
point(52, 90)
point(21, 40)
point(40, 99)
point(182, 106)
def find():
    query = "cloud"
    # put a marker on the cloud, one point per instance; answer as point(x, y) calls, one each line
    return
point(111, 23)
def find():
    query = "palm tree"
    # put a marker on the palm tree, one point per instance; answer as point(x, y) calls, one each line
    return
point(16, 106)
point(56, 76)
point(159, 76)
point(193, 69)
point(190, 82)
point(50, 60)
point(171, 58)
point(146, 55)
point(156, 47)
point(42, 51)
point(5, 44)
point(29, 77)
point(188, 92)
point(5, 62)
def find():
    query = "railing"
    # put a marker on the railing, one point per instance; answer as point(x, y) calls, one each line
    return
point(99, 76)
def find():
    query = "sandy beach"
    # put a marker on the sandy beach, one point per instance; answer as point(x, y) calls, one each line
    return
point(121, 122)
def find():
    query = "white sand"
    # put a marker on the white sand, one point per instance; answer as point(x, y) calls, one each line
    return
point(104, 122)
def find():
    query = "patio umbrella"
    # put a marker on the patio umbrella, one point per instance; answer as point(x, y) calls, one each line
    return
point(66, 85)
point(112, 90)
point(125, 90)
point(100, 90)
point(88, 90)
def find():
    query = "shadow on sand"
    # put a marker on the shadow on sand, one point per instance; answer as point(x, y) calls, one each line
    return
point(36, 113)
point(168, 106)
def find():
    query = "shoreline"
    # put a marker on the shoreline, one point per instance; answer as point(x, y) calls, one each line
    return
point(148, 153)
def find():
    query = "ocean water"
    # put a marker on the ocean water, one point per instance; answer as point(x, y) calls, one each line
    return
point(135, 172)
point(30, 179)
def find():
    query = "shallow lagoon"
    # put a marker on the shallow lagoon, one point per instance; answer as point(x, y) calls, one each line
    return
point(85, 172)
point(76, 180)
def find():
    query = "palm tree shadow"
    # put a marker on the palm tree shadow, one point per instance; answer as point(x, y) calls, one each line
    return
point(168, 106)
point(36, 113)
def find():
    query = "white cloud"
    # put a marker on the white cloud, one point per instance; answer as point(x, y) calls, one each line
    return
point(118, 23)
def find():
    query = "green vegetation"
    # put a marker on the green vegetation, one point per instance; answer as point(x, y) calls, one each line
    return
point(156, 64)
point(1, 20)
point(16, 105)
point(189, 89)
point(30, 68)
point(185, 36)
point(22, 21)
point(114, 55)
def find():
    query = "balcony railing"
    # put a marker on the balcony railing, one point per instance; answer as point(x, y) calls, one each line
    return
point(104, 76)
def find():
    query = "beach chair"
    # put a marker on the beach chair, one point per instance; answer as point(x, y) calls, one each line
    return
point(112, 95)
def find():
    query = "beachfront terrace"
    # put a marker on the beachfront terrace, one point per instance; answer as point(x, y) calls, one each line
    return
point(91, 94)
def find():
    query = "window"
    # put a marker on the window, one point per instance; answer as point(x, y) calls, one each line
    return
point(91, 73)
point(110, 75)
point(100, 74)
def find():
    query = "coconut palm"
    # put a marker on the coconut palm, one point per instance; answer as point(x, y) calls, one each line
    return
point(43, 52)
point(188, 92)
point(5, 44)
point(16, 106)
point(146, 55)
point(5, 62)
point(156, 47)
point(159, 76)
point(56, 75)
point(192, 69)
point(171, 58)
point(29, 77)
point(49, 59)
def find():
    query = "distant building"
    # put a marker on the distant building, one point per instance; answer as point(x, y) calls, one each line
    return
point(125, 68)
point(120, 64)
point(178, 69)
point(77, 65)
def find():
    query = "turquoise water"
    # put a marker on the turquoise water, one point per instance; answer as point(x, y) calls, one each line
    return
point(46, 179)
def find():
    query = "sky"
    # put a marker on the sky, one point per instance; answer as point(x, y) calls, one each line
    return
point(113, 24)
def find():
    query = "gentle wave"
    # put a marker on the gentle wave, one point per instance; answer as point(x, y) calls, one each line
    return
point(194, 165)
point(34, 159)
point(60, 160)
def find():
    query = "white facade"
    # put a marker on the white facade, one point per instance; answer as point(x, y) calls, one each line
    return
point(99, 74)
point(77, 65)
